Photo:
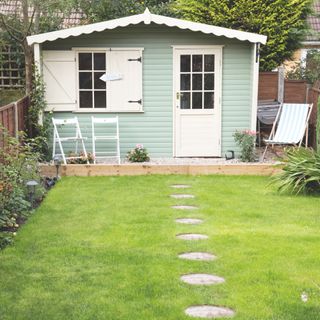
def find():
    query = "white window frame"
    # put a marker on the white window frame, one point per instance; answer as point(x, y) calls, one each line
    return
point(100, 50)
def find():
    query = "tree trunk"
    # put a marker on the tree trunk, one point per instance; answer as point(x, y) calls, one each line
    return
point(28, 59)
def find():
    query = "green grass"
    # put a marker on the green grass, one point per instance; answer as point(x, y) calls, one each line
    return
point(105, 248)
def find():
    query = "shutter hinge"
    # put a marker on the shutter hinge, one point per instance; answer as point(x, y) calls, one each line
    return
point(135, 101)
point(138, 59)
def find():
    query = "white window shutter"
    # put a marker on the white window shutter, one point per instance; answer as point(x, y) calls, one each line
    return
point(124, 94)
point(59, 73)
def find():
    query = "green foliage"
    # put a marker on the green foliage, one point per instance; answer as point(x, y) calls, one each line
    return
point(283, 21)
point(39, 133)
point(246, 140)
point(138, 154)
point(7, 96)
point(301, 173)
point(99, 10)
point(18, 164)
point(309, 70)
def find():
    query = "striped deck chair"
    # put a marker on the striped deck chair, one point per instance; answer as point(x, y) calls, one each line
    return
point(290, 125)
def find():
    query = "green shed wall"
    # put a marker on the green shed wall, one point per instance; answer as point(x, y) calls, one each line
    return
point(154, 127)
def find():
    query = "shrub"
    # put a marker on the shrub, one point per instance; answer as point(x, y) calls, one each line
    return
point(138, 154)
point(246, 140)
point(301, 173)
point(18, 164)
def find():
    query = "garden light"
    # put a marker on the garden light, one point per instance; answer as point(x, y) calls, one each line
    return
point(31, 185)
point(57, 163)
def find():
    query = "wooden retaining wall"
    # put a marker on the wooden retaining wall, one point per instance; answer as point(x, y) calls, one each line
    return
point(139, 169)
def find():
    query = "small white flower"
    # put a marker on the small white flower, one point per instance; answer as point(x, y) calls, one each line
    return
point(304, 297)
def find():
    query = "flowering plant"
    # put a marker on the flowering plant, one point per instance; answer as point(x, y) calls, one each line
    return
point(245, 140)
point(138, 154)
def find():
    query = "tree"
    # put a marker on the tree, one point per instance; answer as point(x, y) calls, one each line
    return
point(100, 10)
point(283, 21)
point(31, 17)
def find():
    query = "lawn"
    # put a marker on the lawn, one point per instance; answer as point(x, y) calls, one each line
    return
point(105, 248)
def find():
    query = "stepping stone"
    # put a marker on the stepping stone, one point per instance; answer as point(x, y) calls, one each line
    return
point(201, 279)
point(191, 236)
point(185, 207)
point(180, 186)
point(209, 312)
point(199, 256)
point(182, 196)
point(189, 221)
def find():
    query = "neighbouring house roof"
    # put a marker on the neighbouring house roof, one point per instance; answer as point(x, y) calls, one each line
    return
point(74, 18)
point(147, 18)
point(314, 23)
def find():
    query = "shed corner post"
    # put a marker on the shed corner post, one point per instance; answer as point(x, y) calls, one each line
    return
point(38, 65)
point(255, 85)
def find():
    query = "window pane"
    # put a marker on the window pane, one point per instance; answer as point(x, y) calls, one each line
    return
point(99, 99)
point(185, 100)
point(85, 80)
point(99, 61)
point(209, 100)
point(99, 84)
point(185, 82)
point(197, 82)
point(85, 99)
point(197, 100)
point(185, 63)
point(197, 63)
point(85, 61)
point(209, 81)
point(209, 62)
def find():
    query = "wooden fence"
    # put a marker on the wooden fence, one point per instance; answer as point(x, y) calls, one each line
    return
point(13, 117)
point(273, 86)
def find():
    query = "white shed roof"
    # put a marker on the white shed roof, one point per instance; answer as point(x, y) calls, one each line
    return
point(146, 18)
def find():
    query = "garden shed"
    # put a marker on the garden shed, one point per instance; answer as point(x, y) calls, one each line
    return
point(179, 88)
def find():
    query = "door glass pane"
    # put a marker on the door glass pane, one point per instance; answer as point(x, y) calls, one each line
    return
point(99, 99)
point(85, 61)
point(209, 100)
point(85, 80)
point(85, 99)
point(197, 81)
point(197, 100)
point(185, 82)
point(197, 63)
point(209, 81)
point(185, 63)
point(99, 61)
point(209, 62)
point(185, 100)
point(99, 84)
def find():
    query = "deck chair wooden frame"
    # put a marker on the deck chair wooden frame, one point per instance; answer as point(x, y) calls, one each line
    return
point(282, 119)
point(77, 138)
point(106, 154)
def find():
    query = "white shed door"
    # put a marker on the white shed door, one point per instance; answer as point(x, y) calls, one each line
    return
point(197, 102)
point(125, 93)
point(59, 73)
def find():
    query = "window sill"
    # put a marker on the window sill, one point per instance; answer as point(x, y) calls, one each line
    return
point(107, 111)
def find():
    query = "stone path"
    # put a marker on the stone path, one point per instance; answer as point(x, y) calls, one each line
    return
point(182, 196)
point(201, 311)
point(211, 312)
point(191, 236)
point(201, 279)
point(200, 256)
point(189, 221)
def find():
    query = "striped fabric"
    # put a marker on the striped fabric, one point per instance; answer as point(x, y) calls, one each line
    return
point(291, 125)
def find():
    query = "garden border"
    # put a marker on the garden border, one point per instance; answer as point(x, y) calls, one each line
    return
point(145, 169)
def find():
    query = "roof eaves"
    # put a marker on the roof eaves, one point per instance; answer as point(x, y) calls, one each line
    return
point(146, 18)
